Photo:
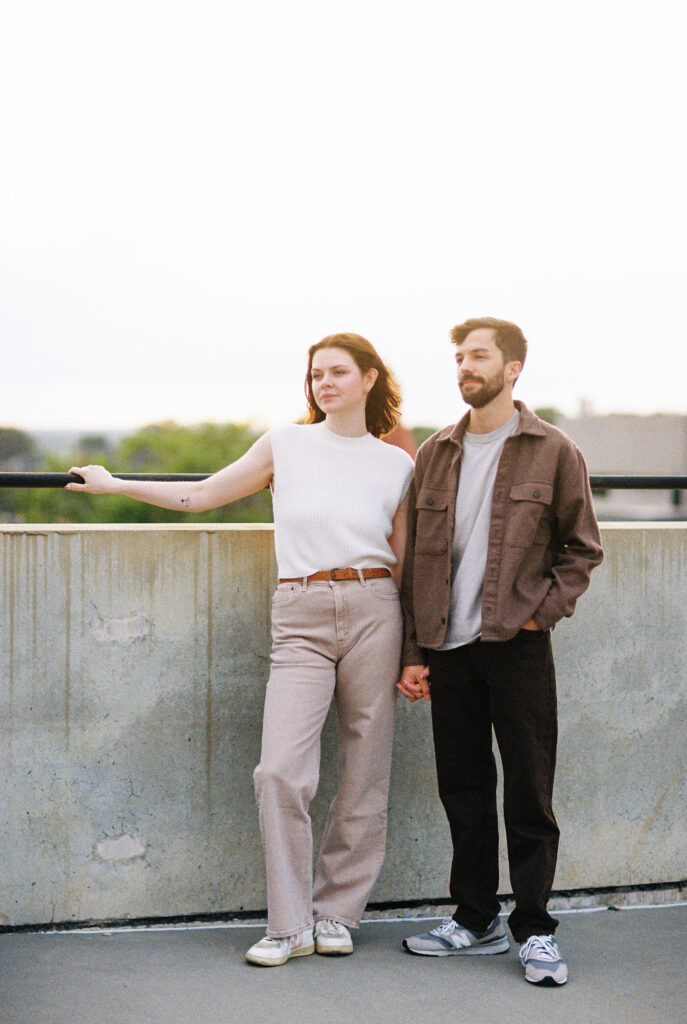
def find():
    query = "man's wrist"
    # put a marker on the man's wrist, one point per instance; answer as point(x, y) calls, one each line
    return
point(413, 662)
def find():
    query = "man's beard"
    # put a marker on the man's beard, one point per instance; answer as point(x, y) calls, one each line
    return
point(490, 388)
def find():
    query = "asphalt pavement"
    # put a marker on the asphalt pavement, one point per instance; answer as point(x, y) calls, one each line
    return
point(626, 967)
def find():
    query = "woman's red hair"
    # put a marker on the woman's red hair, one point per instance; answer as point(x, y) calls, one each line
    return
point(382, 410)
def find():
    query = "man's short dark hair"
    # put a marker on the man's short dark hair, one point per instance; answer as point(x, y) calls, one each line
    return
point(508, 337)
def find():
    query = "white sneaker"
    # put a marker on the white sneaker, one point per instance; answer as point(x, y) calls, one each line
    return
point(541, 958)
point(274, 952)
point(332, 938)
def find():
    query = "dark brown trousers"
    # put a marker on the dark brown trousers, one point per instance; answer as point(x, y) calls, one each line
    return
point(510, 686)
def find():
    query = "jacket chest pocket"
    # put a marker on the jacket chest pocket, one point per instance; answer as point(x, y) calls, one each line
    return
point(431, 508)
point(529, 514)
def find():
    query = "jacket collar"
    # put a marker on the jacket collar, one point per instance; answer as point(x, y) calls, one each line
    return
point(529, 423)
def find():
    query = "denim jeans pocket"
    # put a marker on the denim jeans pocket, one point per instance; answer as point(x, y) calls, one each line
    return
point(285, 594)
point(384, 589)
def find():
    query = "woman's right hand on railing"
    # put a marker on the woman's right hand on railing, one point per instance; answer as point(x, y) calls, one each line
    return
point(97, 480)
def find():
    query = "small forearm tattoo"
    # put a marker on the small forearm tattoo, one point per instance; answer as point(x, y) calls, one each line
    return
point(186, 502)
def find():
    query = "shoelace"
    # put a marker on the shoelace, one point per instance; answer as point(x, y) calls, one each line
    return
point(329, 927)
point(447, 926)
point(540, 947)
point(450, 929)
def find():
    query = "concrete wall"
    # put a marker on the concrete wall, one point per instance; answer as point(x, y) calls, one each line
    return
point(132, 669)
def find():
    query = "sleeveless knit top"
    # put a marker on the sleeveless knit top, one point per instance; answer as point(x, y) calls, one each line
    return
point(334, 498)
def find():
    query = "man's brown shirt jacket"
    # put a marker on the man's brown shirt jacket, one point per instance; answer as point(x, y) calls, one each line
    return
point(543, 538)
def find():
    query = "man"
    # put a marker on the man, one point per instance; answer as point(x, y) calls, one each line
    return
point(502, 538)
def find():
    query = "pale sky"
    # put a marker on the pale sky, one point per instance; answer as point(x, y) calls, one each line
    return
point(192, 193)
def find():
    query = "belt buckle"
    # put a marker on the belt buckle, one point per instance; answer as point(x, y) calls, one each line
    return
point(332, 574)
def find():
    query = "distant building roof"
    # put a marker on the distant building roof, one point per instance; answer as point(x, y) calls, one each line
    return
point(631, 444)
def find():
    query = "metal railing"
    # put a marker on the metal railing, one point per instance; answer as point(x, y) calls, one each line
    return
point(61, 479)
point(604, 481)
point(612, 482)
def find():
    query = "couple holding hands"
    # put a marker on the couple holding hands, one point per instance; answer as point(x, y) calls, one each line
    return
point(489, 539)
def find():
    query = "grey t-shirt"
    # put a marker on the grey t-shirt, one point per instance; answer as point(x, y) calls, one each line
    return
point(479, 463)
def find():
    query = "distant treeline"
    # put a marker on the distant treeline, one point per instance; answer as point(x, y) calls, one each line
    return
point(159, 448)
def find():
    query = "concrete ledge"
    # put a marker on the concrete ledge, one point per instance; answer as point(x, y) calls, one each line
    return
point(133, 661)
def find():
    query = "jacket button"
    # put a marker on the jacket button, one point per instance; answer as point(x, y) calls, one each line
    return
point(537, 494)
point(430, 501)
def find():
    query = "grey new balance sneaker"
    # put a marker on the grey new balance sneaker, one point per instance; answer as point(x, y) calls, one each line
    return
point(541, 958)
point(450, 939)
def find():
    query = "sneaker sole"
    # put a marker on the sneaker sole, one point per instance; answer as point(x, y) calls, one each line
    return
point(547, 980)
point(260, 962)
point(333, 951)
point(502, 946)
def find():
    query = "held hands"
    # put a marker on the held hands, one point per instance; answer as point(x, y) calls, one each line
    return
point(413, 683)
point(97, 480)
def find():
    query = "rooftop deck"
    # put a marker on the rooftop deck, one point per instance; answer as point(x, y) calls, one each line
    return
point(626, 967)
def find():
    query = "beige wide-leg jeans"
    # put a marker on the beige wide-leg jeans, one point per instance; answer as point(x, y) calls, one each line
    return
point(338, 639)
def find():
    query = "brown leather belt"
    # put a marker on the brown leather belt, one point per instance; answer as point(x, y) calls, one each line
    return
point(339, 574)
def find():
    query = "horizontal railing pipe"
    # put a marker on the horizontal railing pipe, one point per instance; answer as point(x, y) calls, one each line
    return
point(61, 479)
point(637, 483)
point(598, 481)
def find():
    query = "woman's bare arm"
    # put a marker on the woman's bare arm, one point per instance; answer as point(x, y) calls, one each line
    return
point(249, 474)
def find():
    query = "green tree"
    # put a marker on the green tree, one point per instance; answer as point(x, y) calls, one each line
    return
point(549, 413)
point(159, 448)
point(17, 449)
point(422, 433)
point(94, 447)
point(17, 454)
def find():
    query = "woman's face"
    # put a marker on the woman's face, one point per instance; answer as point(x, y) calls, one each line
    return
point(338, 383)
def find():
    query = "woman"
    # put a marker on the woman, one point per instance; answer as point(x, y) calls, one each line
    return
point(339, 513)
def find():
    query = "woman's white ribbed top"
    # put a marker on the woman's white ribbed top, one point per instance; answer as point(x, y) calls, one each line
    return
point(334, 498)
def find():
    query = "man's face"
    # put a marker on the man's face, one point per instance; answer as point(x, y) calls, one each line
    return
point(481, 368)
